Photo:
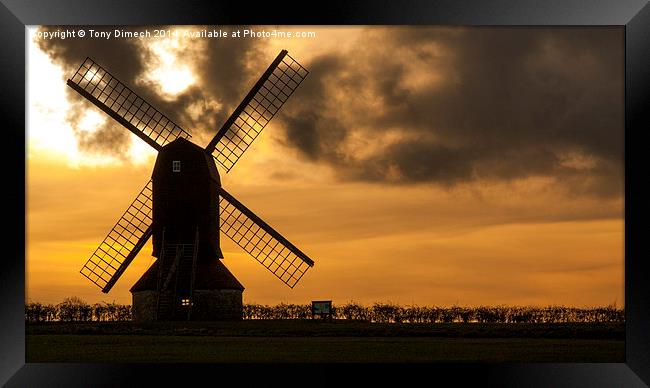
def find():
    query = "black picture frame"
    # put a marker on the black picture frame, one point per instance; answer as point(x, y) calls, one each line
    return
point(634, 15)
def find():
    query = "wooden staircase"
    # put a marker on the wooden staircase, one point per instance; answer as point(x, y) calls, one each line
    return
point(176, 274)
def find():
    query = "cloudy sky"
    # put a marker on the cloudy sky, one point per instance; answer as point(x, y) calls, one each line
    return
point(418, 165)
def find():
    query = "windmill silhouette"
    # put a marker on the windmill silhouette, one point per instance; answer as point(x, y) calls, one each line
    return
point(184, 208)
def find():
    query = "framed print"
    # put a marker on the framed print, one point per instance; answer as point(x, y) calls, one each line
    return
point(444, 188)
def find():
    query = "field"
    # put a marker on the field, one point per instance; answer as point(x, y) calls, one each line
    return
point(264, 341)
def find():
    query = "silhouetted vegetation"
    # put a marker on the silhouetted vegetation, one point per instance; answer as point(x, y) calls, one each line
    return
point(392, 313)
point(76, 310)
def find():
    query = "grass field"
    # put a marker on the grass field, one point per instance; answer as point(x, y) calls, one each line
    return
point(314, 341)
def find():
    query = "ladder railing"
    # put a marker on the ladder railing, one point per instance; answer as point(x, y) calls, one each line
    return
point(176, 277)
point(160, 271)
point(193, 276)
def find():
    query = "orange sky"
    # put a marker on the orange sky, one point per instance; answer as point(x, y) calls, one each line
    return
point(537, 237)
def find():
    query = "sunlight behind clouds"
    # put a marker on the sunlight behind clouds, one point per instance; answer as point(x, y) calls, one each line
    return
point(169, 66)
point(48, 130)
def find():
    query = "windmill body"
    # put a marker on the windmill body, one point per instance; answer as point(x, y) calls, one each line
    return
point(186, 198)
point(185, 235)
point(184, 208)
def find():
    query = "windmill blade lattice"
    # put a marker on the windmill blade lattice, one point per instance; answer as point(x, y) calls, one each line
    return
point(122, 243)
point(261, 241)
point(121, 103)
point(260, 105)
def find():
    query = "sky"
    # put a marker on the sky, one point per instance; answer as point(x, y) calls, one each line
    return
point(415, 165)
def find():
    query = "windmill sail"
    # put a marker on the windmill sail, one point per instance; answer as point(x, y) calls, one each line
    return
point(116, 99)
point(122, 243)
point(261, 241)
point(260, 105)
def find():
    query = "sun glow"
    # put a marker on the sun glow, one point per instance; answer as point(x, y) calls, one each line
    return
point(91, 121)
point(167, 70)
point(49, 134)
point(49, 130)
point(141, 152)
point(46, 117)
point(173, 81)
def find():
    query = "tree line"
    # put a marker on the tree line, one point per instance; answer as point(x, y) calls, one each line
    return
point(76, 310)
point(393, 313)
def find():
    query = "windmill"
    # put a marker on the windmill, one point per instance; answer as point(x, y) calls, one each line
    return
point(183, 207)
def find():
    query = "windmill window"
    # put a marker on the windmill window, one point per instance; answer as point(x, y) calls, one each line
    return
point(185, 302)
point(176, 166)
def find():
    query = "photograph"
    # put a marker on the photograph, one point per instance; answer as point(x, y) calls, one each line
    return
point(445, 193)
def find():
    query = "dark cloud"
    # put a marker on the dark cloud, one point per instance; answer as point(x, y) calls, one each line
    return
point(311, 122)
point(468, 103)
point(508, 103)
